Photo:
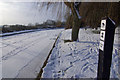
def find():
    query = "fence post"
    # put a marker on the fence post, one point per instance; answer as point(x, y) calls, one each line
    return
point(105, 48)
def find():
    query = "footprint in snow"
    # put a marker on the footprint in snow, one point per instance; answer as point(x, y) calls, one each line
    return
point(68, 68)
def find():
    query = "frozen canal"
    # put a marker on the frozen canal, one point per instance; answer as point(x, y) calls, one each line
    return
point(24, 54)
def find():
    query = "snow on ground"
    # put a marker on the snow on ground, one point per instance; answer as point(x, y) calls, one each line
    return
point(24, 54)
point(79, 59)
point(0, 60)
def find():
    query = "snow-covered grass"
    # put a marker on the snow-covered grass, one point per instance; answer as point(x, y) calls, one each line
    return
point(79, 59)
point(24, 54)
point(0, 59)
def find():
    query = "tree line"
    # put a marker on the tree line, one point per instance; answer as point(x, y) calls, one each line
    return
point(91, 14)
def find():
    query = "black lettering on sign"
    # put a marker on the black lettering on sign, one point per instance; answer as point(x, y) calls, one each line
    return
point(102, 35)
point(101, 45)
point(103, 24)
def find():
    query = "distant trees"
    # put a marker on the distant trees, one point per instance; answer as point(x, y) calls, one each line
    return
point(114, 11)
point(75, 22)
point(93, 12)
point(48, 24)
point(12, 28)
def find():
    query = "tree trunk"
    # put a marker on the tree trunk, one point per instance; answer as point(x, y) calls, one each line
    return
point(75, 30)
point(75, 27)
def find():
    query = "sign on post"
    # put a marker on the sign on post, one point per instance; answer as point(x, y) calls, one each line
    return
point(105, 48)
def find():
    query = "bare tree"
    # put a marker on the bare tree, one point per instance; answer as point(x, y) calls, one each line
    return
point(75, 16)
point(76, 20)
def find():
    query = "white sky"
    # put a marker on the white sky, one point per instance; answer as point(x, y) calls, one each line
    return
point(18, 13)
point(26, 12)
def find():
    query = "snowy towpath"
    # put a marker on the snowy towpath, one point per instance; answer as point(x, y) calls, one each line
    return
point(23, 55)
point(79, 59)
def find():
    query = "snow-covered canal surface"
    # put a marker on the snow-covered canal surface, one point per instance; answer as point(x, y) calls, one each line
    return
point(24, 54)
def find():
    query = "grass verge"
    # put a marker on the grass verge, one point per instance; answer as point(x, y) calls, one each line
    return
point(45, 63)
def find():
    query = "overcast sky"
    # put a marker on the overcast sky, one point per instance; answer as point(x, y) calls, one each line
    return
point(18, 13)
point(29, 12)
point(23, 12)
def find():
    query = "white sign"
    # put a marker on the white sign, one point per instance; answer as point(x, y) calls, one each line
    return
point(102, 35)
point(101, 45)
point(103, 24)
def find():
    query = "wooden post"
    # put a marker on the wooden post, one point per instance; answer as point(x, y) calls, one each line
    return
point(105, 48)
